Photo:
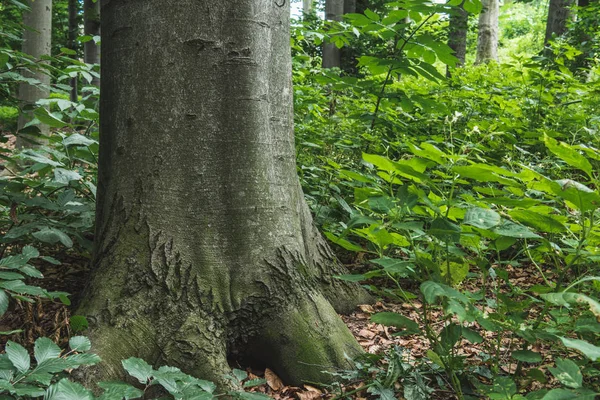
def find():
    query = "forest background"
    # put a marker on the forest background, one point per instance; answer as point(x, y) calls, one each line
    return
point(460, 187)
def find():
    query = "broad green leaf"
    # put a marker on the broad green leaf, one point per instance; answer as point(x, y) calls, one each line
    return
point(527, 356)
point(48, 118)
point(394, 266)
point(564, 394)
point(569, 154)
point(254, 382)
point(397, 320)
point(432, 290)
point(343, 243)
point(250, 396)
point(510, 229)
point(45, 349)
point(18, 356)
point(28, 390)
point(445, 230)
point(138, 368)
point(53, 236)
point(589, 350)
point(65, 176)
point(471, 335)
point(543, 223)
point(78, 140)
point(567, 373)
point(435, 358)
point(80, 343)
point(30, 252)
point(482, 218)
point(118, 391)
point(565, 299)
point(4, 300)
point(67, 390)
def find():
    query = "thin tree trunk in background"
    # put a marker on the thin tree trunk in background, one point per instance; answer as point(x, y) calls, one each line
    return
point(457, 34)
point(36, 42)
point(73, 33)
point(205, 248)
point(487, 39)
point(91, 27)
point(307, 6)
point(349, 6)
point(334, 11)
point(559, 13)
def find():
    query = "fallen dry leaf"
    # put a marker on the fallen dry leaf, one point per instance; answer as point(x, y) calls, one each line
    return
point(308, 395)
point(273, 380)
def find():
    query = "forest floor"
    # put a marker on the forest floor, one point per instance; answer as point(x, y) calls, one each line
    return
point(51, 319)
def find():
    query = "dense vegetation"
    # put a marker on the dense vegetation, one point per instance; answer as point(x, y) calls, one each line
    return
point(472, 200)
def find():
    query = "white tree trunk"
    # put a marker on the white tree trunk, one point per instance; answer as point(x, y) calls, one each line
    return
point(36, 42)
point(487, 40)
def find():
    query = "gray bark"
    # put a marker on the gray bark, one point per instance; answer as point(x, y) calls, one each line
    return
point(37, 39)
point(559, 13)
point(349, 6)
point(91, 26)
point(307, 6)
point(205, 248)
point(457, 33)
point(334, 11)
point(487, 39)
point(73, 33)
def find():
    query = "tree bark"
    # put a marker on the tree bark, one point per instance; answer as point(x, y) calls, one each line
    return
point(73, 33)
point(334, 11)
point(349, 6)
point(205, 248)
point(457, 34)
point(559, 13)
point(487, 40)
point(91, 27)
point(37, 39)
point(307, 6)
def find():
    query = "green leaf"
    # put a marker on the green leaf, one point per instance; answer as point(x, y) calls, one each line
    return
point(483, 218)
point(28, 390)
point(77, 139)
point(254, 382)
point(351, 277)
point(589, 350)
point(527, 356)
point(250, 396)
point(471, 335)
point(18, 356)
point(472, 6)
point(49, 119)
point(343, 243)
point(239, 374)
point(78, 323)
point(569, 154)
point(45, 349)
point(118, 390)
point(435, 358)
point(510, 229)
point(394, 266)
point(80, 343)
point(53, 236)
point(565, 299)
point(432, 290)
point(138, 368)
point(65, 176)
point(30, 252)
point(543, 223)
point(563, 394)
point(67, 390)
point(567, 373)
point(4, 300)
point(397, 320)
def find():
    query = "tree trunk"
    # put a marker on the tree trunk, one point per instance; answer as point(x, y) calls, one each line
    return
point(334, 11)
point(36, 42)
point(307, 6)
point(487, 40)
point(559, 12)
point(73, 33)
point(457, 34)
point(205, 248)
point(349, 6)
point(91, 27)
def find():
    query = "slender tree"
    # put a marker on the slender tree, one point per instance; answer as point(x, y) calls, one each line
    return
point(334, 11)
point(457, 34)
point(91, 27)
point(349, 6)
point(73, 34)
point(205, 248)
point(37, 38)
point(559, 13)
point(487, 39)
point(307, 6)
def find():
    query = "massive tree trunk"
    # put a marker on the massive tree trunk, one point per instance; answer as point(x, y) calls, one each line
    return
point(307, 6)
point(457, 34)
point(487, 39)
point(91, 27)
point(349, 6)
point(36, 42)
point(73, 33)
point(334, 11)
point(559, 12)
point(205, 248)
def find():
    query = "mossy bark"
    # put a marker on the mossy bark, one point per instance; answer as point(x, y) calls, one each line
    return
point(205, 247)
